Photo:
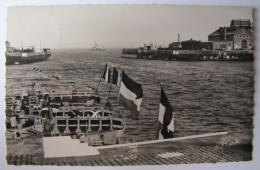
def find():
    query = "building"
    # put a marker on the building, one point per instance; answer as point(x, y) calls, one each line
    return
point(150, 47)
point(241, 23)
point(8, 47)
point(175, 46)
point(191, 45)
point(207, 45)
point(236, 37)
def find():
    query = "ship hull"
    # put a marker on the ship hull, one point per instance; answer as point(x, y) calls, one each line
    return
point(15, 59)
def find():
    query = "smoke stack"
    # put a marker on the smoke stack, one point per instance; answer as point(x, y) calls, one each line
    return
point(225, 34)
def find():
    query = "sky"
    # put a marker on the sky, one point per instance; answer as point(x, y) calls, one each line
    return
point(80, 26)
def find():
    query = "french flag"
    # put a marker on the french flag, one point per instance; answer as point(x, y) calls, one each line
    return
point(131, 95)
point(107, 74)
point(166, 119)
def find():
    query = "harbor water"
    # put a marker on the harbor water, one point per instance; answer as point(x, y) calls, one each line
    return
point(209, 96)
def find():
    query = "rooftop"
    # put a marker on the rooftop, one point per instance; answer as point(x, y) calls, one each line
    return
point(240, 23)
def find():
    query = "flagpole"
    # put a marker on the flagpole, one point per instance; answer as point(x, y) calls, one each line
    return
point(111, 75)
point(157, 134)
point(118, 92)
point(99, 81)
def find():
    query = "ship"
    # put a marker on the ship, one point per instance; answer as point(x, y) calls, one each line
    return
point(78, 113)
point(25, 55)
point(98, 47)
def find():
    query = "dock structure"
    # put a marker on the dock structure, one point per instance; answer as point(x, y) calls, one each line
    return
point(189, 55)
point(207, 148)
point(65, 124)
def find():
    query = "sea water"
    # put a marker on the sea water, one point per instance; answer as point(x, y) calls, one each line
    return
point(207, 97)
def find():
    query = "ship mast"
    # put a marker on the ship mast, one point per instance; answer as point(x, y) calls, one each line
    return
point(110, 83)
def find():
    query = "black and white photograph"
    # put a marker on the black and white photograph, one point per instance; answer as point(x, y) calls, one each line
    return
point(129, 84)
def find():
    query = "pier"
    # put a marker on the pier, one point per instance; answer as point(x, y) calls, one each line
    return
point(189, 55)
point(207, 148)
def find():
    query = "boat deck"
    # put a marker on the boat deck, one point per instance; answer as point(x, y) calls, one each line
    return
point(185, 150)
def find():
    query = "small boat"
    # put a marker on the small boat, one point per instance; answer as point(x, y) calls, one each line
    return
point(77, 113)
point(39, 111)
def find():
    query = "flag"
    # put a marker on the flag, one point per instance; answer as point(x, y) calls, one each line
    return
point(116, 77)
point(37, 69)
point(165, 121)
point(106, 74)
point(131, 95)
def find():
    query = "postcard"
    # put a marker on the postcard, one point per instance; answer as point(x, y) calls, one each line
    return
point(129, 84)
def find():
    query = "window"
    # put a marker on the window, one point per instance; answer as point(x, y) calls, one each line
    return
point(222, 45)
point(243, 44)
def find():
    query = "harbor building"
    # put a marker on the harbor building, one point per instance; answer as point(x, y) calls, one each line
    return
point(239, 36)
point(207, 45)
point(226, 43)
point(191, 45)
point(150, 46)
point(175, 46)
point(8, 47)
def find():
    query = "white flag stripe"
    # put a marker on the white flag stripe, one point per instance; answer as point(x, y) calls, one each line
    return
point(161, 112)
point(138, 103)
point(171, 125)
point(106, 77)
point(118, 80)
point(130, 95)
point(160, 135)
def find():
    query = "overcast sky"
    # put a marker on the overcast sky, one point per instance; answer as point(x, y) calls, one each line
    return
point(80, 26)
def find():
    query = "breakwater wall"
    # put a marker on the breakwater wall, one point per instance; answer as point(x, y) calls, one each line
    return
point(190, 55)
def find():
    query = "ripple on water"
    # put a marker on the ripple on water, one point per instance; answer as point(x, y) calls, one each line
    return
point(206, 96)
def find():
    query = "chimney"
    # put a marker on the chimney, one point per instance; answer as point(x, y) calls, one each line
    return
point(225, 34)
